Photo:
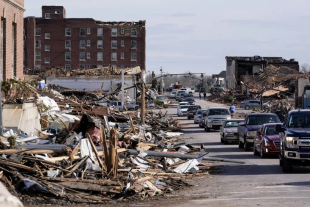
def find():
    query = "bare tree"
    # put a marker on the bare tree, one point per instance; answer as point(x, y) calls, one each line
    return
point(305, 68)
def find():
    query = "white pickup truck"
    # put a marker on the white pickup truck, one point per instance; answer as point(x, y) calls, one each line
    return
point(187, 90)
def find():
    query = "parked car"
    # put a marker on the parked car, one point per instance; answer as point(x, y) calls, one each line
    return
point(252, 123)
point(251, 104)
point(183, 103)
point(198, 115)
point(267, 141)
point(215, 117)
point(161, 100)
point(179, 95)
point(229, 130)
point(295, 140)
point(182, 110)
point(191, 111)
point(173, 94)
point(187, 90)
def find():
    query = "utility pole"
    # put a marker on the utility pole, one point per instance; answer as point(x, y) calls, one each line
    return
point(1, 124)
point(123, 88)
point(142, 98)
point(201, 81)
point(162, 81)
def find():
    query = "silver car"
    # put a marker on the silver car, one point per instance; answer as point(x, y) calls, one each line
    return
point(199, 115)
point(215, 117)
point(251, 104)
point(229, 130)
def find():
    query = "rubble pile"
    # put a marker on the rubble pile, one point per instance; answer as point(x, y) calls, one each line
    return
point(87, 153)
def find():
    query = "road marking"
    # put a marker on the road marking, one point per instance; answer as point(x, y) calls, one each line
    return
point(258, 198)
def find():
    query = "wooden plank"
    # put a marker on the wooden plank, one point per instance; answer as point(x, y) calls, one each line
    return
point(101, 182)
point(16, 165)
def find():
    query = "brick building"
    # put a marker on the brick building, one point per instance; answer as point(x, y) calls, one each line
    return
point(11, 38)
point(81, 43)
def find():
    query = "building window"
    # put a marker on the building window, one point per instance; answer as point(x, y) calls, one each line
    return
point(68, 67)
point(114, 44)
point(38, 56)
point(47, 36)
point(100, 32)
point(122, 66)
point(82, 56)
point(114, 32)
point(113, 56)
point(133, 56)
point(99, 44)
point(82, 44)
point(88, 30)
point(122, 43)
point(133, 32)
point(114, 66)
point(82, 67)
point(47, 48)
point(38, 67)
point(68, 44)
point(122, 55)
point(57, 11)
point(99, 66)
point(38, 43)
point(38, 31)
point(47, 15)
point(82, 32)
point(133, 44)
point(88, 55)
point(68, 32)
point(47, 60)
point(122, 30)
point(88, 43)
point(99, 56)
point(68, 56)
point(88, 67)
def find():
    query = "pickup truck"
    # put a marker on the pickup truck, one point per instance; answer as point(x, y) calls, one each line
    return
point(295, 140)
point(252, 123)
point(215, 117)
point(187, 90)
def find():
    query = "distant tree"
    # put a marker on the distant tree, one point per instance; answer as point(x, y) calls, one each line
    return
point(305, 68)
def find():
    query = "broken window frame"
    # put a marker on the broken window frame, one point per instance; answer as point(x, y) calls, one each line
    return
point(113, 44)
point(38, 43)
point(113, 32)
point(82, 56)
point(47, 48)
point(38, 31)
point(134, 34)
point(113, 56)
point(133, 44)
point(47, 36)
point(68, 56)
point(99, 46)
point(67, 41)
point(82, 44)
point(134, 54)
point(99, 56)
point(47, 15)
point(82, 32)
point(99, 32)
point(47, 60)
point(38, 56)
point(68, 32)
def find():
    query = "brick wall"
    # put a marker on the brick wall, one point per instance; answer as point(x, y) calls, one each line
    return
point(56, 28)
point(11, 12)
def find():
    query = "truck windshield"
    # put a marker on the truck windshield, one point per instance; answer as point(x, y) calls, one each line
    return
point(218, 112)
point(299, 120)
point(262, 119)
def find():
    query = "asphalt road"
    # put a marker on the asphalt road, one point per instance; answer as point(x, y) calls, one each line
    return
point(259, 182)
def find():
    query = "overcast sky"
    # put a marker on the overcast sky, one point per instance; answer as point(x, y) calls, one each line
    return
point(196, 35)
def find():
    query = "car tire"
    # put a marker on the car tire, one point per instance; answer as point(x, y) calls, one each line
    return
point(246, 146)
point(287, 166)
point(240, 144)
point(281, 162)
point(222, 140)
point(254, 151)
point(207, 129)
point(262, 154)
point(225, 140)
point(247, 107)
point(200, 126)
point(188, 118)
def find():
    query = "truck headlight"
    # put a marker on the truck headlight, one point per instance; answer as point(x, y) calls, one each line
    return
point(290, 142)
point(251, 133)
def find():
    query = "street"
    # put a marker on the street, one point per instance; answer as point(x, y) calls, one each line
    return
point(258, 182)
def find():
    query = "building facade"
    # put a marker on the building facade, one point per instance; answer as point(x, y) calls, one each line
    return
point(82, 43)
point(238, 66)
point(11, 38)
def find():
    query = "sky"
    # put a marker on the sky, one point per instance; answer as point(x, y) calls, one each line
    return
point(197, 35)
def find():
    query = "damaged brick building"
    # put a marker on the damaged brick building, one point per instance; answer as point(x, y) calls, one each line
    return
point(238, 66)
point(82, 43)
point(11, 38)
